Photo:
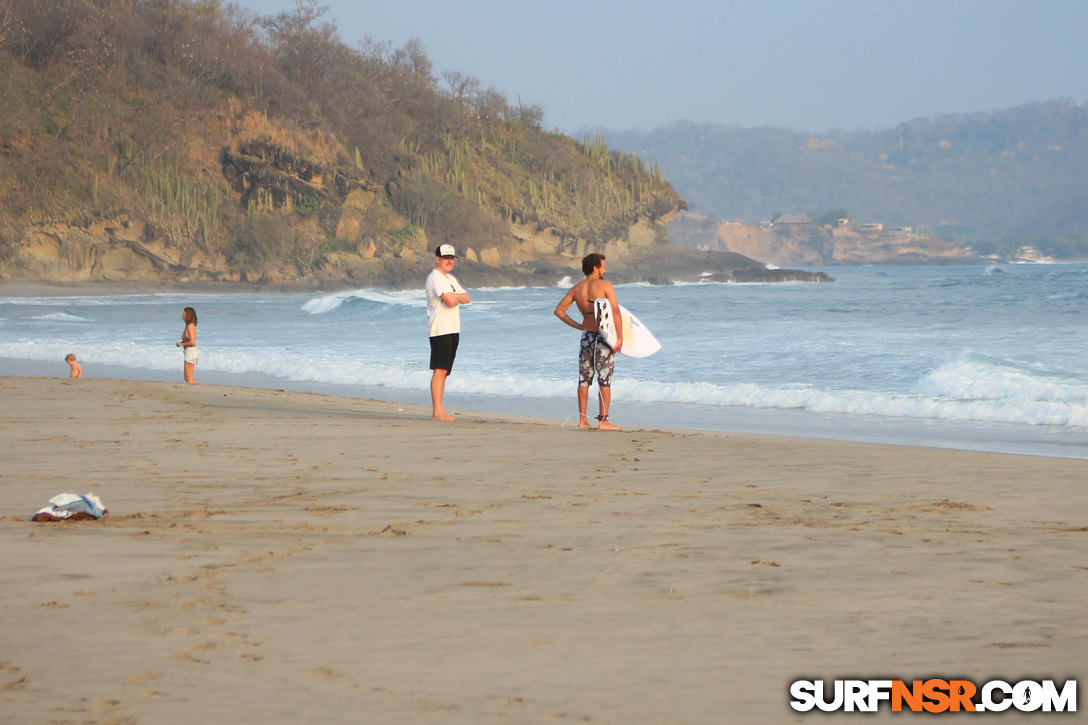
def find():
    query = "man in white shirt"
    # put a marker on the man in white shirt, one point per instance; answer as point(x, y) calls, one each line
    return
point(445, 295)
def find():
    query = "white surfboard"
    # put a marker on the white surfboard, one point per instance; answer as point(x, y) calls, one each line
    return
point(638, 341)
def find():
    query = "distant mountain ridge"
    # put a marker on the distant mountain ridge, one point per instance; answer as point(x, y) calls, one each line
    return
point(1020, 173)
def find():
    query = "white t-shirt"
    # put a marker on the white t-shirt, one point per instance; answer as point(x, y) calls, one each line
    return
point(443, 320)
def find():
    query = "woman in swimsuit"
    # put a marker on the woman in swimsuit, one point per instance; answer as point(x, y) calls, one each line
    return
point(188, 343)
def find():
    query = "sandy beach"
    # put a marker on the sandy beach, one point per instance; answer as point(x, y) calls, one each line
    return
point(284, 557)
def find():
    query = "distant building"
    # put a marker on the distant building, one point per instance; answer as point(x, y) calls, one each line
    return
point(1029, 253)
point(792, 219)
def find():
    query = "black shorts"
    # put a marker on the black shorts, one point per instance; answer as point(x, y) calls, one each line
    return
point(444, 350)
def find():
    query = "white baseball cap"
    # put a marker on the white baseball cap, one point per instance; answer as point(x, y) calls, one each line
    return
point(445, 250)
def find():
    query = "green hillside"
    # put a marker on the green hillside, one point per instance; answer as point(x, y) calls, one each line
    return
point(992, 180)
point(202, 141)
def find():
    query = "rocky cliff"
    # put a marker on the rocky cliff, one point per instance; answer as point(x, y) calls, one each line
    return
point(131, 252)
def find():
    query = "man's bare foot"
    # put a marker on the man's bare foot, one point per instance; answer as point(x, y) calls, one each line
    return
point(583, 422)
point(443, 417)
point(605, 425)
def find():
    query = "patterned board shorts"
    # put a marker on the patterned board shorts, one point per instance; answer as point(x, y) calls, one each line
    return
point(595, 356)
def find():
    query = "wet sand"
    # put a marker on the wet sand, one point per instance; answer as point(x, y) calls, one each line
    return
point(285, 557)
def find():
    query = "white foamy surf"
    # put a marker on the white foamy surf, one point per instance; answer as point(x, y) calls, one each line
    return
point(979, 357)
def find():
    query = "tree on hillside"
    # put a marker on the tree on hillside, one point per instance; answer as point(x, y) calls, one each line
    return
point(414, 59)
point(461, 86)
point(308, 51)
point(832, 216)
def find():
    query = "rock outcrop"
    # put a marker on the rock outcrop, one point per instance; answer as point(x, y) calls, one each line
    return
point(134, 252)
point(821, 245)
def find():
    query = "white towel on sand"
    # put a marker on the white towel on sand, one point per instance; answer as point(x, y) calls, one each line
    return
point(66, 505)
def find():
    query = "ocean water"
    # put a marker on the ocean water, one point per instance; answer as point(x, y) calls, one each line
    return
point(988, 358)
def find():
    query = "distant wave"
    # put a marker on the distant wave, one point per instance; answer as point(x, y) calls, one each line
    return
point(132, 300)
point(127, 354)
point(329, 303)
point(973, 387)
point(700, 283)
point(976, 377)
point(858, 402)
point(61, 317)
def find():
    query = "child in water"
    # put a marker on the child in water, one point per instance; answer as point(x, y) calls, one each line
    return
point(75, 369)
point(188, 343)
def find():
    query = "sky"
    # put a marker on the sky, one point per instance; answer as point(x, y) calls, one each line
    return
point(810, 66)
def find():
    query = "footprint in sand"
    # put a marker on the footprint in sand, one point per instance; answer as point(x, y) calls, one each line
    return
point(11, 678)
point(390, 530)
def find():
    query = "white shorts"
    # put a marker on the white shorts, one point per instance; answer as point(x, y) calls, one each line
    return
point(191, 355)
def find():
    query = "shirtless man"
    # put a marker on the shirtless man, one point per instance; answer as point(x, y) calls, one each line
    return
point(594, 355)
